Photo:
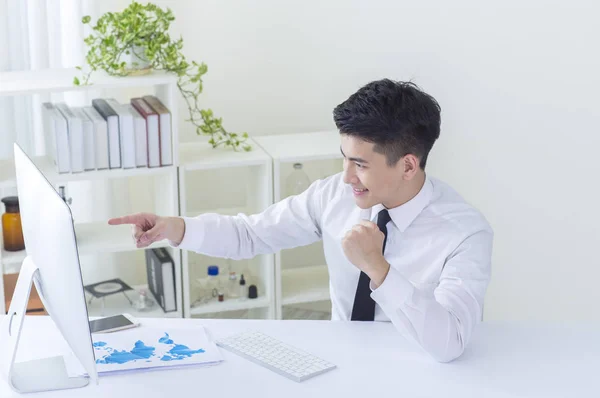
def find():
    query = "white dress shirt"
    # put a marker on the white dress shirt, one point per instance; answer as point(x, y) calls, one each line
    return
point(438, 246)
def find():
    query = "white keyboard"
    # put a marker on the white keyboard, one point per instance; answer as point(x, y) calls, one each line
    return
point(275, 355)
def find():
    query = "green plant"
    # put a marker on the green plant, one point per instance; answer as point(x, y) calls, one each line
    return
point(142, 30)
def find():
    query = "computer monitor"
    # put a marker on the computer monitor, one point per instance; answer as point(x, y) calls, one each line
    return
point(52, 263)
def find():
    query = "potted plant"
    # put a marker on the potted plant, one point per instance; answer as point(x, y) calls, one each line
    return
point(136, 41)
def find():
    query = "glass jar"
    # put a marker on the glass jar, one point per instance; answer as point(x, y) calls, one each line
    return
point(297, 182)
point(209, 286)
point(232, 286)
point(11, 225)
point(213, 283)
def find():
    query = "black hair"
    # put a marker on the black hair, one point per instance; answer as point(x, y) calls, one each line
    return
point(398, 117)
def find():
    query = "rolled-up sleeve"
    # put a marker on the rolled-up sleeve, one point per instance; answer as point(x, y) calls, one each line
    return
point(294, 221)
point(442, 322)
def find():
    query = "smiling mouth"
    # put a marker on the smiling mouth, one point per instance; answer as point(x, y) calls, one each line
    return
point(359, 191)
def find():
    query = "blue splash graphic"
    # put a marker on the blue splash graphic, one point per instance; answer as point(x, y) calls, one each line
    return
point(180, 351)
point(141, 351)
point(166, 339)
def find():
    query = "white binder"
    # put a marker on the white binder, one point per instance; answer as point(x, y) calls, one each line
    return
point(127, 133)
point(112, 122)
point(75, 132)
point(141, 139)
point(57, 136)
point(89, 160)
point(100, 137)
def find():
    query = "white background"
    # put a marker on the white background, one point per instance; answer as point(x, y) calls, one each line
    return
point(517, 82)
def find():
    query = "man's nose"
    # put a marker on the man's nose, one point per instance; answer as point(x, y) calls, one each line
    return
point(349, 174)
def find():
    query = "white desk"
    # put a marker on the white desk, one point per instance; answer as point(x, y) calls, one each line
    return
point(504, 360)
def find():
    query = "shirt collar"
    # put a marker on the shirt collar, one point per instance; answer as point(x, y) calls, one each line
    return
point(405, 214)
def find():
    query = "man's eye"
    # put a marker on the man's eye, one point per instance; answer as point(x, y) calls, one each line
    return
point(360, 166)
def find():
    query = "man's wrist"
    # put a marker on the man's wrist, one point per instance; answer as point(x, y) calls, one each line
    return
point(178, 230)
point(379, 272)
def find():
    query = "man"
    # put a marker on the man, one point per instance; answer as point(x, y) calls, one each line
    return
point(400, 246)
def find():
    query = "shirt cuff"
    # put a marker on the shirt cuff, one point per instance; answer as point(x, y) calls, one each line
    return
point(394, 290)
point(192, 236)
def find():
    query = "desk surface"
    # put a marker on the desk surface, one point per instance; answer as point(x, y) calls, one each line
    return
point(503, 360)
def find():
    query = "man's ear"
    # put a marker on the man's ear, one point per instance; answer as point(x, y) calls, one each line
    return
point(410, 163)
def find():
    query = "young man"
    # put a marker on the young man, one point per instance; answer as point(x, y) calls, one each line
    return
point(400, 246)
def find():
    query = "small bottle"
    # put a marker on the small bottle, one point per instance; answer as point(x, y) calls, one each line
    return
point(63, 195)
point(252, 292)
point(243, 288)
point(143, 303)
point(297, 182)
point(232, 286)
point(11, 225)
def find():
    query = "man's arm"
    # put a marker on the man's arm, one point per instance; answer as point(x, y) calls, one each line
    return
point(442, 322)
point(294, 221)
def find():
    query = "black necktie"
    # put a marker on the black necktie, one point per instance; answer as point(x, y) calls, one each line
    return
point(364, 306)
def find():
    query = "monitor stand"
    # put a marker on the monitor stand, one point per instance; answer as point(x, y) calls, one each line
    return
point(37, 375)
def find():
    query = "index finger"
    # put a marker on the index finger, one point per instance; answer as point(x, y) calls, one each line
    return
point(135, 219)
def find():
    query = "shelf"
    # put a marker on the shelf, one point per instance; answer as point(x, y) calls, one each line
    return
point(12, 261)
point(98, 237)
point(230, 305)
point(202, 156)
point(302, 147)
point(8, 179)
point(117, 304)
point(56, 80)
point(103, 238)
point(304, 285)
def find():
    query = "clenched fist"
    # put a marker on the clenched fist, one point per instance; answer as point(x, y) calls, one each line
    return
point(363, 246)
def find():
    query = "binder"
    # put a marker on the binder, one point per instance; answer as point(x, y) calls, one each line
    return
point(75, 132)
point(126, 132)
point(152, 130)
point(57, 137)
point(160, 270)
point(166, 151)
point(89, 159)
point(100, 137)
point(141, 145)
point(114, 140)
point(48, 130)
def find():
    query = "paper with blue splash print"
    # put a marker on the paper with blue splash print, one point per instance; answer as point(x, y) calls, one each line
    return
point(147, 348)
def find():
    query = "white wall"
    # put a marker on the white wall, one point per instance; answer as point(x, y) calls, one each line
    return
point(517, 83)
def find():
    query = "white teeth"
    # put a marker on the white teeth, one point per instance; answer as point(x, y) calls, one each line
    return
point(360, 190)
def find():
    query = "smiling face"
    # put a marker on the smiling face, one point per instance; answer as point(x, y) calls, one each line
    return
point(373, 181)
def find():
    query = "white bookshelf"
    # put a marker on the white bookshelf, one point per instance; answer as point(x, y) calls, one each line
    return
point(201, 180)
point(7, 175)
point(204, 173)
point(98, 237)
point(301, 277)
